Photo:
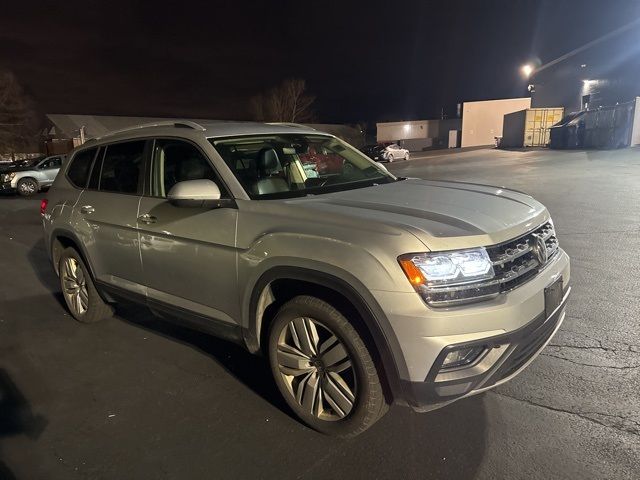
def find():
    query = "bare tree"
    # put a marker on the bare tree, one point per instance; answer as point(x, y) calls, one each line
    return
point(287, 102)
point(18, 120)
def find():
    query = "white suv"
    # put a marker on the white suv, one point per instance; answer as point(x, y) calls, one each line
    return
point(30, 179)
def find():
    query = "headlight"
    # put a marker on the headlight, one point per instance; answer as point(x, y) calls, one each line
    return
point(445, 277)
point(7, 177)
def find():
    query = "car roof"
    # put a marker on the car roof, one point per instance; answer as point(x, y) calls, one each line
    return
point(208, 128)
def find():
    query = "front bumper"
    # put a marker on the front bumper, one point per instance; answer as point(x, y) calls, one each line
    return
point(421, 334)
point(6, 187)
point(507, 355)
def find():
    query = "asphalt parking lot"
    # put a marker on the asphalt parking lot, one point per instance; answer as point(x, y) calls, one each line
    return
point(135, 397)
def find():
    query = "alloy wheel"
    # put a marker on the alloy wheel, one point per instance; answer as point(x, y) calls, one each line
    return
point(317, 369)
point(27, 187)
point(74, 286)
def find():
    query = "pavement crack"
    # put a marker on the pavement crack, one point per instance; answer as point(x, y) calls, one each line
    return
point(585, 347)
point(634, 429)
point(583, 364)
point(626, 347)
point(634, 230)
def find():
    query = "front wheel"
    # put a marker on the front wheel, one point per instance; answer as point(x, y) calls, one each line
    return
point(27, 187)
point(323, 368)
point(390, 158)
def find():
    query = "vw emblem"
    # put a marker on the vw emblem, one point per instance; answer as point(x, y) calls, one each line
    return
point(540, 249)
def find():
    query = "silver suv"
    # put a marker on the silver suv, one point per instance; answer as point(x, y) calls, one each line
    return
point(361, 288)
point(31, 178)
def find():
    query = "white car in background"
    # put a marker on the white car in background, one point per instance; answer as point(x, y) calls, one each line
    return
point(31, 178)
point(385, 152)
point(394, 152)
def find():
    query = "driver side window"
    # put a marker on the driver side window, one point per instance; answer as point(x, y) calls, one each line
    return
point(178, 161)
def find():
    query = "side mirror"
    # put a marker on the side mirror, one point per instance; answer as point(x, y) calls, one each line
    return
point(194, 193)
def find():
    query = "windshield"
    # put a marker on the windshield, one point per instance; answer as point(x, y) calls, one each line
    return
point(292, 165)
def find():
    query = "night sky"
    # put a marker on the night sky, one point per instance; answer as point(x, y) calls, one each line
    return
point(364, 61)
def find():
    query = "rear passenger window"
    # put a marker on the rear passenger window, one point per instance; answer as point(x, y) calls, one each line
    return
point(78, 172)
point(122, 168)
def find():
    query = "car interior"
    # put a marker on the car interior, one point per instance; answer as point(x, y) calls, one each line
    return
point(275, 165)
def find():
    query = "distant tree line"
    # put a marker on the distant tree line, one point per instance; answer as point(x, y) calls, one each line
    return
point(18, 118)
point(287, 102)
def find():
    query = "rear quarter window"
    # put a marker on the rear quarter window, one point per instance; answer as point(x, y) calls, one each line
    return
point(78, 171)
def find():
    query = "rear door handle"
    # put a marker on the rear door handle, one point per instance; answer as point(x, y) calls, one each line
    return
point(146, 218)
point(87, 209)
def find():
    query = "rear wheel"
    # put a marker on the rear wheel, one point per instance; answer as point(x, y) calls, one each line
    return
point(323, 368)
point(80, 294)
point(27, 187)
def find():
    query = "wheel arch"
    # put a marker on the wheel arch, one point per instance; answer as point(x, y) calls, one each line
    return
point(27, 177)
point(61, 239)
point(370, 320)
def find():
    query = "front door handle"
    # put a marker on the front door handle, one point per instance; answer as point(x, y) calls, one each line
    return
point(87, 209)
point(146, 218)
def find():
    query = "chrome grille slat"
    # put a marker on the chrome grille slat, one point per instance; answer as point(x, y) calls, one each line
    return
point(512, 253)
point(515, 262)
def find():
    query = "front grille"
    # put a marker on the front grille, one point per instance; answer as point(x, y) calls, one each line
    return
point(514, 263)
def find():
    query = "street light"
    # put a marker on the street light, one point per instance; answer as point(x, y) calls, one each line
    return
point(527, 70)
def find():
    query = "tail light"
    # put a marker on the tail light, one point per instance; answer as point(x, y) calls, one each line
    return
point(43, 206)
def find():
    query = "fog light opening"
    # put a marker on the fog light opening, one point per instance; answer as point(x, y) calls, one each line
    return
point(462, 357)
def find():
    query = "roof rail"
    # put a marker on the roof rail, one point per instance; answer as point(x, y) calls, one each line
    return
point(291, 124)
point(169, 123)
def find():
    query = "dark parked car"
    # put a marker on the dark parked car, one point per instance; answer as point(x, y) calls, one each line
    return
point(374, 152)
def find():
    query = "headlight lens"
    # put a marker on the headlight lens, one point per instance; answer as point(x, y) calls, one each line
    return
point(451, 267)
point(7, 177)
point(435, 275)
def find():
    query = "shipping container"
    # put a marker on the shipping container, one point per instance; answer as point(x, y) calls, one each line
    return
point(529, 127)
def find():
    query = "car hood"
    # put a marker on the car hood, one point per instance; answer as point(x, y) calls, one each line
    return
point(14, 168)
point(443, 215)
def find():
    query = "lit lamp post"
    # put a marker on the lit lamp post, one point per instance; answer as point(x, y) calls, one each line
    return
point(527, 70)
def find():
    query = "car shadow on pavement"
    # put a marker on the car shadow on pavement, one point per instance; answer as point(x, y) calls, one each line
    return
point(16, 416)
point(447, 443)
point(251, 370)
point(43, 270)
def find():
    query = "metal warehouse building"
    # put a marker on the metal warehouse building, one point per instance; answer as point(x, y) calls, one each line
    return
point(418, 135)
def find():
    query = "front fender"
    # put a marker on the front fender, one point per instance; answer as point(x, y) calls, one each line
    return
point(20, 175)
point(375, 321)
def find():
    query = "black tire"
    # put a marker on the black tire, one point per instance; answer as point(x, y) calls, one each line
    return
point(390, 158)
point(96, 308)
point(27, 187)
point(369, 404)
